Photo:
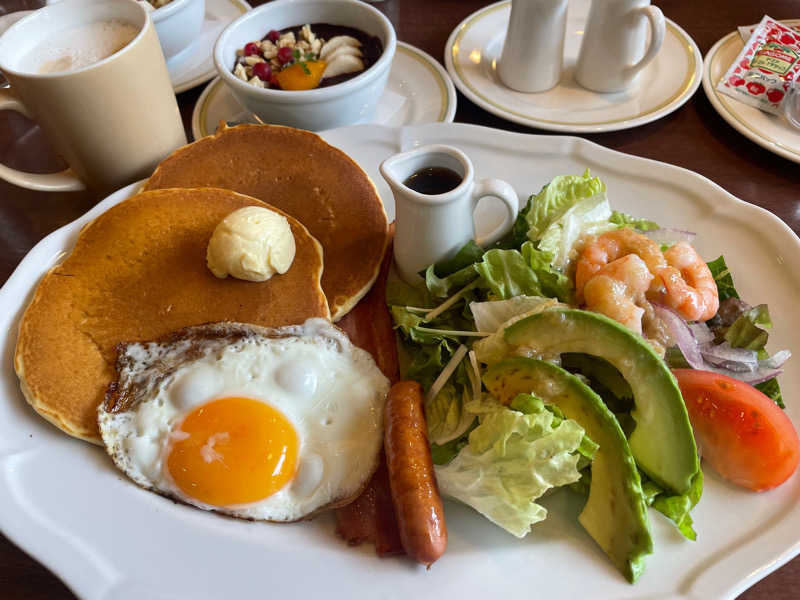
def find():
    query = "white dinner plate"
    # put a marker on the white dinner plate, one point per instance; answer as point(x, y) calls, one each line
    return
point(663, 85)
point(772, 132)
point(418, 91)
point(195, 64)
point(62, 500)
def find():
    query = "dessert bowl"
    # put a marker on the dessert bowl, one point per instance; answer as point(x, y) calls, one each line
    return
point(320, 108)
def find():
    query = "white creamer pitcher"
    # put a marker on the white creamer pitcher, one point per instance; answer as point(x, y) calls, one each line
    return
point(433, 227)
point(614, 48)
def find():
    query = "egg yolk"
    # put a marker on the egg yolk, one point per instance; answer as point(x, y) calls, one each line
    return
point(233, 451)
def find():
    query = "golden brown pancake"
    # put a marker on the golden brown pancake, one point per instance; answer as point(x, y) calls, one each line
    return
point(138, 272)
point(303, 175)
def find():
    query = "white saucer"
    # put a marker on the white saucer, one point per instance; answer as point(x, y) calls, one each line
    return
point(664, 85)
point(418, 91)
point(768, 131)
point(195, 65)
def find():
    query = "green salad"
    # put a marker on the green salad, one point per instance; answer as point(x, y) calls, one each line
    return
point(527, 393)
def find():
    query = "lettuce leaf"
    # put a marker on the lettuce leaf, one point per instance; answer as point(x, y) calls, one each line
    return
point(553, 283)
point(506, 274)
point(446, 417)
point(625, 220)
point(586, 216)
point(749, 330)
point(723, 279)
point(675, 508)
point(510, 460)
point(556, 198)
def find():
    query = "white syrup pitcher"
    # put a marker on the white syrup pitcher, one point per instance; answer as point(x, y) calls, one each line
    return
point(614, 49)
point(533, 50)
point(433, 226)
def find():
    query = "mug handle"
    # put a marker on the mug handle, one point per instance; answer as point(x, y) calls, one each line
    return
point(496, 188)
point(657, 29)
point(63, 181)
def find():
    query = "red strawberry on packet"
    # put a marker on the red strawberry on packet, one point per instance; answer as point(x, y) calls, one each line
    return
point(767, 68)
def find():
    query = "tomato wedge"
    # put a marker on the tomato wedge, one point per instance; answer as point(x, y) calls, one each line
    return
point(742, 434)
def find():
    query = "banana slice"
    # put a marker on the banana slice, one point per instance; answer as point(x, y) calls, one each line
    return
point(336, 42)
point(345, 63)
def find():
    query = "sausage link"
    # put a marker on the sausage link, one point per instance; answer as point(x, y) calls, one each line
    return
point(415, 495)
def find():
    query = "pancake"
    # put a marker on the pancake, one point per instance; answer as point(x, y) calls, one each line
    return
point(303, 175)
point(138, 272)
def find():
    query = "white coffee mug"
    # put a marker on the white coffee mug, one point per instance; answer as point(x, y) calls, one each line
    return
point(433, 227)
point(113, 120)
point(614, 48)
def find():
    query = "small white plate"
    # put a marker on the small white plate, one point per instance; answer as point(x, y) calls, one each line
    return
point(418, 91)
point(195, 64)
point(663, 86)
point(768, 131)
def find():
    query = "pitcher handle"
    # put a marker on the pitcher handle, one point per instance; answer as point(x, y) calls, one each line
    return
point(63, 181)
point(657, 31)
point(496, 188)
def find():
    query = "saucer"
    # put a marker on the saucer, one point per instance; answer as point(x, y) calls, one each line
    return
point(195, 64)
point(418, 91)
point(768, 131)
point(663, 85)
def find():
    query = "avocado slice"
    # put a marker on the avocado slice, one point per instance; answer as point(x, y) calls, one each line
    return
point(615, 514)
point(662, 441)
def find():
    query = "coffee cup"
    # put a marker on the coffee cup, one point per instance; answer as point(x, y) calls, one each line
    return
point(435, 195)
point(91, 73)
point(614, 48)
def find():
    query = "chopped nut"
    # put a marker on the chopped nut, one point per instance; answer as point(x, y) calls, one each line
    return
point(268, 49)
point(253, 59)
point(316, 45)
point(303, 46)
point(256, 82)
point(240, 72)
point(307, 34)
point(240, 52)
point(287, 39)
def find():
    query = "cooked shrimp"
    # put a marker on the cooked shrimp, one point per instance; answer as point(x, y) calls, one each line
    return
point(617, 290)
point(600, 251)
point(688, 285)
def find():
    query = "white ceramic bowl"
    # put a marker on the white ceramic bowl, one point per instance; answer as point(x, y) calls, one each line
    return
point(178, 24)
point(341, 104)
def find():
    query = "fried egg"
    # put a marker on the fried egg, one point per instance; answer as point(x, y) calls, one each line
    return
point(266, 424)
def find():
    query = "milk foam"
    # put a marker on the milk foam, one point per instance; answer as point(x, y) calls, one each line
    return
point(78, 47)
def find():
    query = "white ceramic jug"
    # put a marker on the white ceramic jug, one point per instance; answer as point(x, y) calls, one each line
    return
point(433, 227)
point(614, 49)
point(533, 51)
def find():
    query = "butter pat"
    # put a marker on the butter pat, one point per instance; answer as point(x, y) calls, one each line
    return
point(252, 243)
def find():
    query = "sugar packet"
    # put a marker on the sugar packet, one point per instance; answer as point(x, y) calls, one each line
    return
point(766, 68)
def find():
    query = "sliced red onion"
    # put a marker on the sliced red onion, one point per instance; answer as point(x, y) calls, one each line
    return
point(776, 360)
point(683, 336)
point(702, 333)
point(667, 235)
point(724, 355)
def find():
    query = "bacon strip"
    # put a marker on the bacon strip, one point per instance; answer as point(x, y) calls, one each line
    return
point(371, 517)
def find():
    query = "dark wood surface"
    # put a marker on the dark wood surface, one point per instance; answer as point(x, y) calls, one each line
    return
point(694, 137)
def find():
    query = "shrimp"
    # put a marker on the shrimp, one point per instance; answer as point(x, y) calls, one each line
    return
point(688, 285)
point(610, 246)
point(616, 288)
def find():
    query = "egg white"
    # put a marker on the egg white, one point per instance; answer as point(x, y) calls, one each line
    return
point(331, 392)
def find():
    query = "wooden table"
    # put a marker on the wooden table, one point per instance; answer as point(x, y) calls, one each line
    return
point(694, 137)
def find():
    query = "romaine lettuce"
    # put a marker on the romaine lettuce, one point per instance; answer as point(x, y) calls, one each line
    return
point(510, 460)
